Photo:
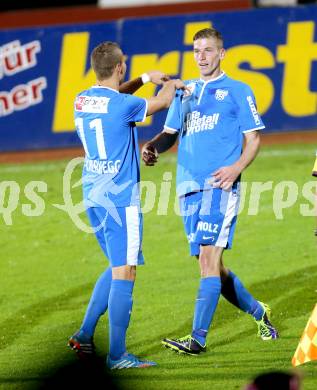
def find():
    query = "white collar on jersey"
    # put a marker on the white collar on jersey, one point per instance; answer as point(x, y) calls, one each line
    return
point(215, 79)
point(102, 86)
point(207, 82)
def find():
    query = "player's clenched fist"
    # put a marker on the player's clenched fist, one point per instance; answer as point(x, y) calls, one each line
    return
point(149, 154)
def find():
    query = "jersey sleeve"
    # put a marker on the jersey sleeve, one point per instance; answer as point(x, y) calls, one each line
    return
point(136, 108)
point(248, 116)
point(174, 116)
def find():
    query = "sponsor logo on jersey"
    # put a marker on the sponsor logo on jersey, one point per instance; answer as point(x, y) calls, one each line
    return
point(93, 104)
point(209, 238)
point(254, 110)
point(221, 94)
point(196, 123)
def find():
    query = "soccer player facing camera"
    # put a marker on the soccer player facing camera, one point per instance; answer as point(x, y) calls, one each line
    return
point(105, 122)
point(212, 121)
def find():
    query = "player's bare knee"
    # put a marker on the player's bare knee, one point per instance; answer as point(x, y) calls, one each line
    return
point(208, 266)
point(124, 272)
point(210, 260)
point(203, 260)
point(209, 269)
point(132, 272)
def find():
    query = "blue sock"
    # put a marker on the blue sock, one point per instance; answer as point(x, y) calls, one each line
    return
point(98, 303)
point(206, 303)
point(120, 306)
point(245, 300)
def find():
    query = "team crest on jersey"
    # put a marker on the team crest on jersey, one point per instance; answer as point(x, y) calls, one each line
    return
point(221, 94)
point(94, 104)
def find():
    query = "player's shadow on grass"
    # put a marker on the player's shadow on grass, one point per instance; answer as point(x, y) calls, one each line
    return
point(290, 295)
point(78, 375)
point(74, 374)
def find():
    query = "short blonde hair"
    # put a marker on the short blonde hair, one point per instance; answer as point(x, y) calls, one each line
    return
point(209, 33)
point(104, 58)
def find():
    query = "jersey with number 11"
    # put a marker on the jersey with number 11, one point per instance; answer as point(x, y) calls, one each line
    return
point(105, 123)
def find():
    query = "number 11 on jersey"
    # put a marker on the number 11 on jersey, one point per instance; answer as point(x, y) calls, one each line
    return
point(95, 124)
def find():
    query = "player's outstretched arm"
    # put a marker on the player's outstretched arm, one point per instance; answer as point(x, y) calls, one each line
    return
point(159, 144)
point(154, 76)
point(165, 96)
point(224, 177)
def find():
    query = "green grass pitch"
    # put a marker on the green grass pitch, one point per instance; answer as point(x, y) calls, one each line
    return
point(48, 268)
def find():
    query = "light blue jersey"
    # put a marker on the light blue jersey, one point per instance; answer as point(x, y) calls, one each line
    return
point(210, 120)
point(105, 122)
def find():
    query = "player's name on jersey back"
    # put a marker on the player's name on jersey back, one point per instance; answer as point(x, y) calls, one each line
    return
point(102, 166)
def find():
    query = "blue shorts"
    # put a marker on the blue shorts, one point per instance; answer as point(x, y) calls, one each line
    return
point(119, 233)
point(210, 217)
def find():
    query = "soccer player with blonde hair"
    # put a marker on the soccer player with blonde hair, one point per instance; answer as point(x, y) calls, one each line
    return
point(212, 121)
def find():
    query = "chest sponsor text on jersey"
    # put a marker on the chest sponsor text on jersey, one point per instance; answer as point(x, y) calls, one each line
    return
point(196, 123)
